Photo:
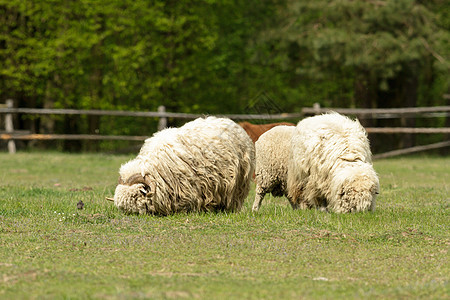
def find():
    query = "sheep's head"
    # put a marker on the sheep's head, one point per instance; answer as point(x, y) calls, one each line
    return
point(354, 189)
point(134, 195)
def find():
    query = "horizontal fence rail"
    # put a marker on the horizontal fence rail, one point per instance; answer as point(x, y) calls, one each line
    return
point(154, 114)
point(389, 130)
point(379, 111)
point(36, 136)
point(92, 137)
point(97, 112)
point(375, 113)
point(412, 150)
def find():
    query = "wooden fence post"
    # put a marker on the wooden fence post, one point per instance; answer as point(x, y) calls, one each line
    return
point(316, 107)
point(162, 120)
point(9, 127)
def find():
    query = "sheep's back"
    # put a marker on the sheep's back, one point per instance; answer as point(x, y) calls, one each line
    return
point(322, 140)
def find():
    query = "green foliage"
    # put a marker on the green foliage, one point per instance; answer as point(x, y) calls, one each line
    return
point(126, 54)
point(218, 57)
point(50, 249)
point(369, 41)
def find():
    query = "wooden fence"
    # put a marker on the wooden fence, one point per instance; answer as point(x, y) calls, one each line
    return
point(9, 127)
point(389, 113)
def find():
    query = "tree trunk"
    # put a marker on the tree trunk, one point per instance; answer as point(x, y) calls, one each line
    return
point(446, 150)
point(409, 100)
point(365, 90)
point(365, 93)
point(71, 127)
point(94, 128)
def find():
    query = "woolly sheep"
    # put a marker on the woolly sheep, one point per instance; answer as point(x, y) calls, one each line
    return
point(330, 165)
point(272, 157)
point(205, 165)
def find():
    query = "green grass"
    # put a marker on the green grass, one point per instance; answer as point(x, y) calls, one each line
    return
point(49, 249)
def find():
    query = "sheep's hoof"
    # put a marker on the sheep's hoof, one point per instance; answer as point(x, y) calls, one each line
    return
point(322, 208)
point(255, 209)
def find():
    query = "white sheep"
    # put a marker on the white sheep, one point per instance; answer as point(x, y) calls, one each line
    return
point(330, 165)
point(205, 165)
point(272, 157)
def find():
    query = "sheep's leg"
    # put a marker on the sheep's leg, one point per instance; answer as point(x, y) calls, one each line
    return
point(322, 208)
point(258, 199)
point(295, 198)
point(298, 204)
point(295, 191)
point(292, 202)
point(321, 204)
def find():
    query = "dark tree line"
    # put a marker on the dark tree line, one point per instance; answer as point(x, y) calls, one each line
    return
point(218, 56)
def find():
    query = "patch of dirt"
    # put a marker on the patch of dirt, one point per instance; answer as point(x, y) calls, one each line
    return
point(83, 189)
point(18, 171)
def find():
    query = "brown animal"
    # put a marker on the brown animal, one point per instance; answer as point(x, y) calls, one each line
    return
point(255, 130)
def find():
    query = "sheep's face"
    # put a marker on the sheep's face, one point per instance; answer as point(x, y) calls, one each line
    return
point(134, 199)
point(356, 190)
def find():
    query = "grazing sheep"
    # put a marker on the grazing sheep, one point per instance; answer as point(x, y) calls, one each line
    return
point(272, 158)
point(255, 130)
point(205, 165)
point(330, 165)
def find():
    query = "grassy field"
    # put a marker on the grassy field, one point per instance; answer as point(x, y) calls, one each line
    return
point(50, 249)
